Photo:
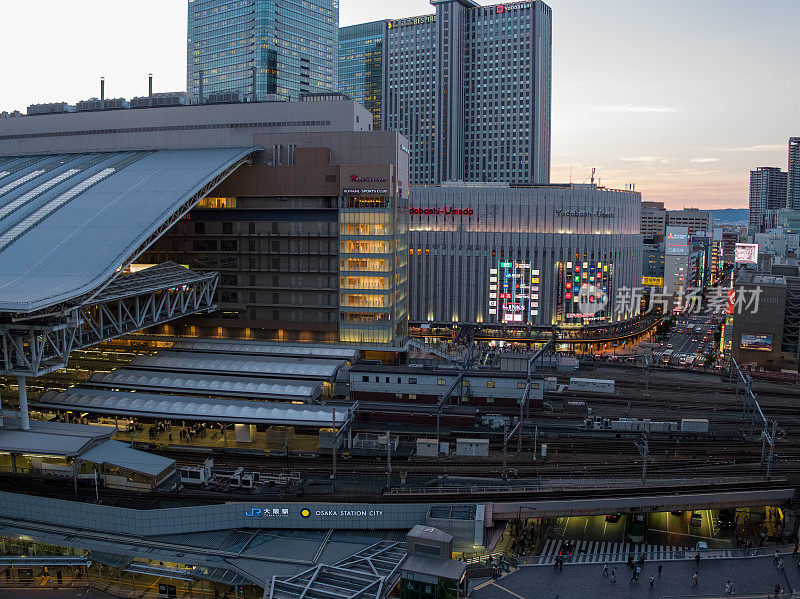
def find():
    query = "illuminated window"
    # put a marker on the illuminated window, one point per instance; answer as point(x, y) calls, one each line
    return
point(490, 384)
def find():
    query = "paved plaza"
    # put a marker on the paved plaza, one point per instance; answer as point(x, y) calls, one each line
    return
point(752, 577)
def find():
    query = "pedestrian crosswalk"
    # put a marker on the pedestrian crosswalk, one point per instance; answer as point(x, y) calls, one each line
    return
point(599, 552)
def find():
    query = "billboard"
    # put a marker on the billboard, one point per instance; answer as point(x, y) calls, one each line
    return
point(746, 253)
point(677, 241)
point(756, 342)
point(513, 292)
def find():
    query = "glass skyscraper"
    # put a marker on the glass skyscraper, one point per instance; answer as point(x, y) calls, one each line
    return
point(470, 87)
point(361, 65)
point(283, 48)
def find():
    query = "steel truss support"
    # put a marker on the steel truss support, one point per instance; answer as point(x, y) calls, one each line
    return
point(34, 348)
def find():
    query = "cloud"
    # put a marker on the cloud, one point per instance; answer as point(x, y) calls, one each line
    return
point(631, 108)
point(759, 148)
point(704, 160)
point(645, 159)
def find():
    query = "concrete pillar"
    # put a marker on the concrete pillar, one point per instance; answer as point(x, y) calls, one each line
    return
point(23, 403)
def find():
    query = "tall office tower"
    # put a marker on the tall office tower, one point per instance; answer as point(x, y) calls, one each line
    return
point(361, 65)
point(261, 48)
point(470, 88)
point(767, 192)
point(793, 176)
point(654, 220)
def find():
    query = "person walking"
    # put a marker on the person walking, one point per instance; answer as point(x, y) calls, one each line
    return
point(660, 567)
point(775, 558)
point(796, 547)
point(694, 578)
point(697, 560)
point(637, 572)
point(561, 565)
point(780, 563)
point(605, 569)
point(614, 574)
point(652, 580)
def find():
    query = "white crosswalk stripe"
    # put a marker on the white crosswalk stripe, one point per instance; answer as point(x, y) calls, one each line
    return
point(600, 552)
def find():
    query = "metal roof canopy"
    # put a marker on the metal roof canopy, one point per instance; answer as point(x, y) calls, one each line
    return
point(70, 252)
point(71, 224)
point(122, 455)
point(369, 574)
point(147, 405)
point(289, 390)
point(268, 349)
point(50, 438)
point(308, 368)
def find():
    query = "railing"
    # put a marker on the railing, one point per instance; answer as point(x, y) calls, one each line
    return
point(567, 485)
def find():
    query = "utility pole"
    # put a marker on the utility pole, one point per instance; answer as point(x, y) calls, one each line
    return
point(388, 459)
point(643, 450)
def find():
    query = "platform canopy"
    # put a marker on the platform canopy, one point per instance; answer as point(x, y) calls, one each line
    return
point(262, 348)
point(180, 361)
point(71, 224)
point(176, 407)
point(209, 384)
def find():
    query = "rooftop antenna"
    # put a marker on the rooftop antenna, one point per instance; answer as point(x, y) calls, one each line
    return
point(150, 89)
point(102, 93)
point(592, 178)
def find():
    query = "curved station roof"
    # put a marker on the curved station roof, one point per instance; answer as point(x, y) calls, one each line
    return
point(147, 405)
point(210, 384)
point(69, 222)
point(302, 368)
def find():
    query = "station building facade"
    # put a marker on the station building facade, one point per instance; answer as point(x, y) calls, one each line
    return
point(522, 255)
point(309, 238)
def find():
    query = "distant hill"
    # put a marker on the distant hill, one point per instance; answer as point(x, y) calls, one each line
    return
point(730, 216)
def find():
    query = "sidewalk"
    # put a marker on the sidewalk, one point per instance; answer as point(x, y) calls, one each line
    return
point(751, 576)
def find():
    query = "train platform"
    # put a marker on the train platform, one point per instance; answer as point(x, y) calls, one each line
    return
point(751, 577)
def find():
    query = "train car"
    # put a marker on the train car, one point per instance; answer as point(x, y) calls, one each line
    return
point(409, 384)
point(398, 414)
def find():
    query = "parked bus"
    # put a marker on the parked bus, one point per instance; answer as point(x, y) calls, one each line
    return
point(667, 356)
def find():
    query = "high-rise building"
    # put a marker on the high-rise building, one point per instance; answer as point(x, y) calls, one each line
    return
point(694, 219)
point(793, 176)
point(361, 65)
point(261, 48)
point(470, 88)
point(654, 220)
point(767, 192)
point(677, 261)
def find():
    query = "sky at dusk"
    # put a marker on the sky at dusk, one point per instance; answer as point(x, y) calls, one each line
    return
point(683, 97)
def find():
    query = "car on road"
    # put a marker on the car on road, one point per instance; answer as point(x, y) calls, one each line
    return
point(637, 527)
point(696, 519)
point(613, 517)
point(701, 546)
point(676, 512)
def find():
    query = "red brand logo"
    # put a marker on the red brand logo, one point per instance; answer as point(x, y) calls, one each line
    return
point(499, 9)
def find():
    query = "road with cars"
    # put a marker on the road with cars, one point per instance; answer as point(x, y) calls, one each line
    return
point(688, 343)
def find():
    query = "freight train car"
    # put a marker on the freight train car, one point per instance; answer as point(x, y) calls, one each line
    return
point(477, 388)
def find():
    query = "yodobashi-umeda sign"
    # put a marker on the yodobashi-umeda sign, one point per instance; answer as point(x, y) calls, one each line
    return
point(448, 210)
point(585, 213)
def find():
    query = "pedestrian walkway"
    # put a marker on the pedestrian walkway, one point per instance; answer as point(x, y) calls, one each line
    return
point(752, 577)
point(595, 552)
